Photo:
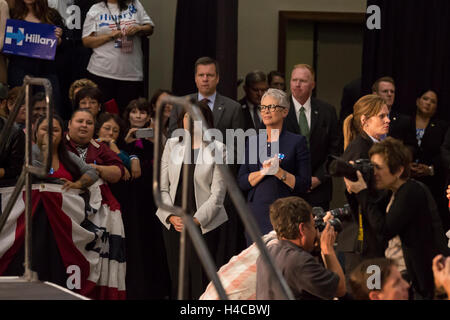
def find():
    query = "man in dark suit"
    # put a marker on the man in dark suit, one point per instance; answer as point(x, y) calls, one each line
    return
point(401, 126)
point(317, 121)
point(254, 87)
point(227, 112)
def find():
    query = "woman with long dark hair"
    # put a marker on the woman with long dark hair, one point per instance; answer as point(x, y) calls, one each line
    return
point(113, 29)
point(65, 165)
point(36, 11)
point(205, 201)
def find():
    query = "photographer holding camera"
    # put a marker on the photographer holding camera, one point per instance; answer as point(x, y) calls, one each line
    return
point(410, 223)
point(364, 127)
point(293, 222)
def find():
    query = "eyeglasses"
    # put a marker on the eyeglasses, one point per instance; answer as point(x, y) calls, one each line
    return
point(270, 108)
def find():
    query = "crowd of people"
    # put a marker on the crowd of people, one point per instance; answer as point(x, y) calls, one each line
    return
point(104, 129)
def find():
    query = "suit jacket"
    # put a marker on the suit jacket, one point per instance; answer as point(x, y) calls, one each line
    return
point(248, 120)
point(324, 141)
point(209, 187)
point(227, 115)
point(403, 128)
point(350, 94)
point(270, 188)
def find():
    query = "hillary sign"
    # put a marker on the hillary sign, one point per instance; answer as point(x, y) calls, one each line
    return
point(35, 40)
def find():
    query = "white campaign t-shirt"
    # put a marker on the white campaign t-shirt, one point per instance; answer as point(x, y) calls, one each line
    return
point(107, 61)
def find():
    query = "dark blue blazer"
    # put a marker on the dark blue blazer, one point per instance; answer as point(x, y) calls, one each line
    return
point(270, 188)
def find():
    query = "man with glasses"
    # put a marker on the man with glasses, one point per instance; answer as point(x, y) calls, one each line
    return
point(317, 121)
point(255, 86)
point(276, 163)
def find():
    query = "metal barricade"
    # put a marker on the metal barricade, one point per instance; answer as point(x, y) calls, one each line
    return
point(190, 227)
point(28, 169)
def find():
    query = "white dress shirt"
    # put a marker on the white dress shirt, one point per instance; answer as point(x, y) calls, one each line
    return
point(251, 106)
point(212, 99)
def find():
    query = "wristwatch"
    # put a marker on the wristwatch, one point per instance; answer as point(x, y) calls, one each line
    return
point(283, 176)
point(431, 168)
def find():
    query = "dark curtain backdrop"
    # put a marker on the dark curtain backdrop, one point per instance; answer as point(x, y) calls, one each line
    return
point(205, 28)
point(413, 47)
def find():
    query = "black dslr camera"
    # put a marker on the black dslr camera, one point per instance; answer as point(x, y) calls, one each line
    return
point(338, 215)
point(338, 167)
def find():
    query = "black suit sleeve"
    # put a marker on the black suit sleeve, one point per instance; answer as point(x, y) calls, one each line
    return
point(402, 213)
point(238, 118)
point(333, 145)
point(16, 155)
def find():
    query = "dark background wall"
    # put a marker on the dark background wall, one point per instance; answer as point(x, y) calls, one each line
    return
point(413, 47)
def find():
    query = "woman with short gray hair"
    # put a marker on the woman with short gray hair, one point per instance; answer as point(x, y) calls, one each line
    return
point(276, 163)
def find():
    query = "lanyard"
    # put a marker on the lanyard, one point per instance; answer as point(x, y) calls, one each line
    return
point(116, 21)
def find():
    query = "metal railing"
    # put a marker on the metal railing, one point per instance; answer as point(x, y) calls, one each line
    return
point(233, 190)
point(28, 169)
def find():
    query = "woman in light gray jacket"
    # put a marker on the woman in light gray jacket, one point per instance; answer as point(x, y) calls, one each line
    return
point(205, 201)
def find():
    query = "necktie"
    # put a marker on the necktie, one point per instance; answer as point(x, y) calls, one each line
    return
point(303, 124)
point(206, 101)
point(255, 117)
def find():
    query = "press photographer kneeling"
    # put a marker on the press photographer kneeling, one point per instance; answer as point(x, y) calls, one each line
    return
point(410, 224)
point(308, 279)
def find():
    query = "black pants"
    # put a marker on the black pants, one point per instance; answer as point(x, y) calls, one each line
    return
point(197, 278)
point(121, 91)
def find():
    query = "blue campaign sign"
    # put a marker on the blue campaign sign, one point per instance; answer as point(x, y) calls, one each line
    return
point(35, 40)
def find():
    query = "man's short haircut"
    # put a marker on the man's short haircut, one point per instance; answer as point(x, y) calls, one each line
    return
point(305, 66)
point(255, 77)
point(272, 74)
point(204, 61)
point(278, 95)
point(382, 79)
point(359, 276)
point(396, 155)
point(286, 214)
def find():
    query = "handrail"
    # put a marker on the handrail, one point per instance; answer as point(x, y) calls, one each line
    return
point(28, 169)
point(232, 188)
